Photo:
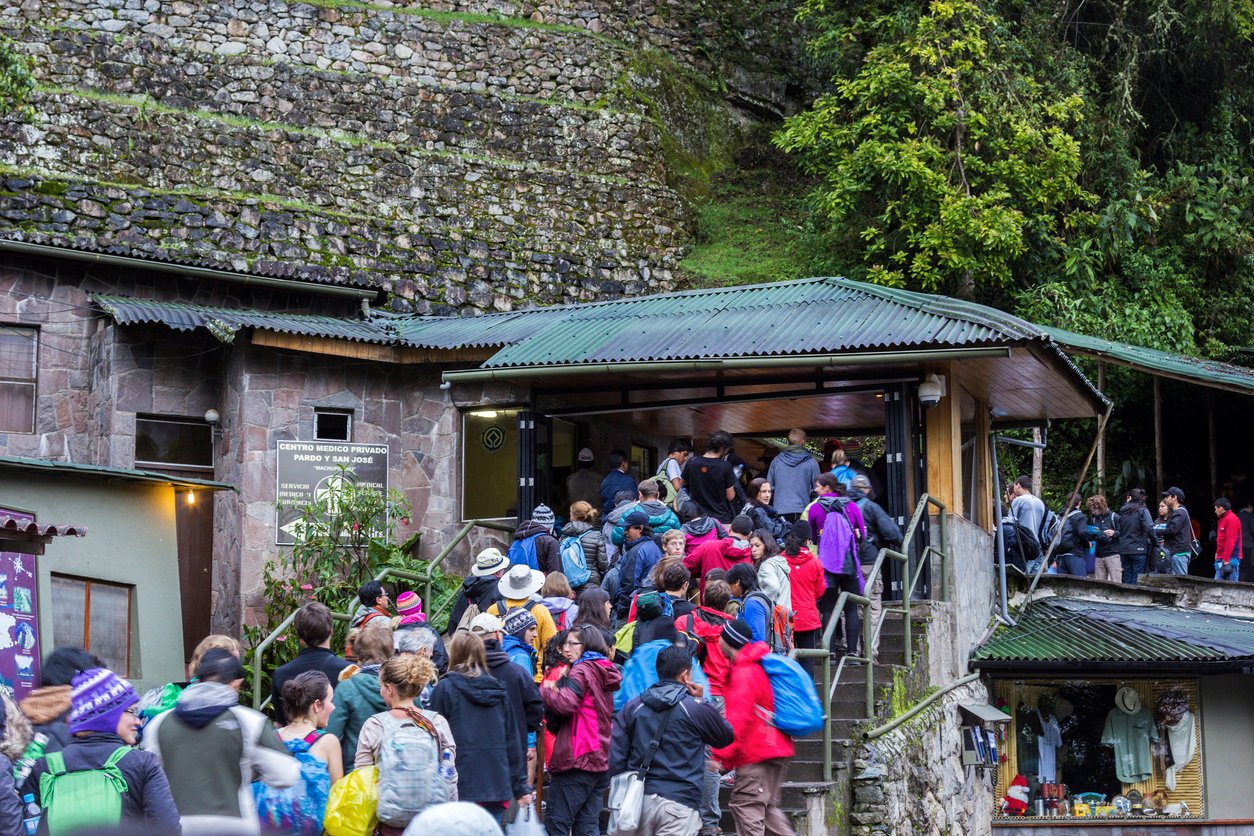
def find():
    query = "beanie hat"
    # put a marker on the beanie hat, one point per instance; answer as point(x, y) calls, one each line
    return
point(543, 515)
point(518, 621)
point(737, 633)
point(408, 603)
point(1016, 798)
point(802, 530)
point(98, 698)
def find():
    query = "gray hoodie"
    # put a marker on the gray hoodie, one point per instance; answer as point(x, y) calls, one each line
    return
point(792, 474)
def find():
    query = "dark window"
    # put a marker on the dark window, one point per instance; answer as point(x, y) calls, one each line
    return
point(333, 426)
point(178, 442)
point(96, 616)
point(19, 351)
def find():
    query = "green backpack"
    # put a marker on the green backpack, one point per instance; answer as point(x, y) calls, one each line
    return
point(88, 798)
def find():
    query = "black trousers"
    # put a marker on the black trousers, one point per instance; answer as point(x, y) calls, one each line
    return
point(837, 584)
point(574, 802)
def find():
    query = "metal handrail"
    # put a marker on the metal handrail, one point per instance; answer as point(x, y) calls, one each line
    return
point(871, 632)
point(427, 578)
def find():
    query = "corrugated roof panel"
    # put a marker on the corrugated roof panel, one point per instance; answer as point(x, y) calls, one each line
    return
point(185, 317)
point(1073, 630)
point(1203, 372)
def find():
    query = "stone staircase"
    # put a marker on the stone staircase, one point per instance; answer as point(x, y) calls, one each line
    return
point(805, 774)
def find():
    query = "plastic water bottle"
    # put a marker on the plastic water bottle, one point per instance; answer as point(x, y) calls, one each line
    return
point(447, 770)
point(32, 814)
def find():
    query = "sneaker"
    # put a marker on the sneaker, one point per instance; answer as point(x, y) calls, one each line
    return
point(710, 831)
point(728, 778)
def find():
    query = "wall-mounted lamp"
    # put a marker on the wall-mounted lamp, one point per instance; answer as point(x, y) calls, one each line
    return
point(191, 497)
point(214, 419)
point(485, 413)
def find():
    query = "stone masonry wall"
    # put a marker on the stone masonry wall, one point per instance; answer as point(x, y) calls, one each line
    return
point(911, 780)
point(468, 154)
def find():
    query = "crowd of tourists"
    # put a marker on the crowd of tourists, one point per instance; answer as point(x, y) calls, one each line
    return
point(583, 683)
point(1090, 538)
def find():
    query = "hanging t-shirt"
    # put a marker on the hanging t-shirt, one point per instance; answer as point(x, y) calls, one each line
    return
point(707, 481)
point(1183, 747)
point(1130, 734)
point(1047, 748)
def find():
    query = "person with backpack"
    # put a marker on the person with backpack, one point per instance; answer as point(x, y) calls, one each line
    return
point(697, 527)
point(767, 623)
point(624, 501)
point(15, 735)
point(1103, 531)
point(772, 568)
point(640, 553)
point(372, 604)
point(758, 508)
point(881, 532)
point(703, 628)
point(99, 780)
point(807, 583)
point(48, 706)
point(671, 471)
point(313, 625)
point(519, 588)
point(1136, 535)
point(618, 479)
point(211, 747)
point(1178, 532)
point(658, 516)
point(582, 545)
point(792, 474)
point(559, 599)
point(410, 745)
point(710, 480)
point(357, 698)
point(518, 635)
point(534, 545)
point(837, 527)
point(1073, 541)
point(759, 752)
point(723, 553)
point(480, 590)
point(481, 718)
point(583, 700)
point(1027, 509)
point(672, 713)
point(300, 808)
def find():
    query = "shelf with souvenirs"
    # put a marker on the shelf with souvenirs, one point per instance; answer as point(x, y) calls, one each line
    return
point(1099, 748)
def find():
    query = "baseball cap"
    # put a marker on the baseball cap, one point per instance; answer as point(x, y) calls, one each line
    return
point(485, 624)
point(1176, 492)
point(586, 455)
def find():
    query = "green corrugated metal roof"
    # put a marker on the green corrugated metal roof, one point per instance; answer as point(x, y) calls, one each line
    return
point(1078, 632)
point(807, 316)
point(224, 322)
point(1191, 369)
point(74, 468)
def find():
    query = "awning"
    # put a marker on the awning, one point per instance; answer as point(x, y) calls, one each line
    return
point(1211, 373)
point(982, 712)
point(1084, 635)
point(49, 467)
point(12, 525)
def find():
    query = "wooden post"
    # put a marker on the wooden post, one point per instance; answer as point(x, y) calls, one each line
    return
point(1160, 483)
point(982, 513)
point(1101, 438)
point(944, 446)
point(1038, 461)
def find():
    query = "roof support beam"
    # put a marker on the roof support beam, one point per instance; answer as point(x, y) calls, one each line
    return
point(826, 361)
point(639, 406)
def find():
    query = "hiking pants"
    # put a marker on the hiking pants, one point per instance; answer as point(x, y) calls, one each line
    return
point(853, 621)
point(1073, 564)
point(574, 804)
point(874, 591)
point(1133, 567)
point(755, 799)
point(1109, 568)
point(711, 812)
point(662, 817)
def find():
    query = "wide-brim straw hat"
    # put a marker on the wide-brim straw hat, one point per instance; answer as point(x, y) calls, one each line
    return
point(520, 582)
point(489, 562)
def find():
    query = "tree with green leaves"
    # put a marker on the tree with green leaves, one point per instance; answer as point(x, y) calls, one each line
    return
point(16, 81)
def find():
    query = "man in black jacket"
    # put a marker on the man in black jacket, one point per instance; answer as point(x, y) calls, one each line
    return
point(524, 696)
point(313, 627)
point(480, 588)
point(673, 783)
point(1178, 538)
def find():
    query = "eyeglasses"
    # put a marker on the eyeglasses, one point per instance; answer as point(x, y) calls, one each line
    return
point(573, 643)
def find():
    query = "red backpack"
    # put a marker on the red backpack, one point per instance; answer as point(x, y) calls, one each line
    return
point(702, 625)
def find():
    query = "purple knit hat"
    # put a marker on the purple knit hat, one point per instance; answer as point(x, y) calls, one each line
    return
point(98, 698)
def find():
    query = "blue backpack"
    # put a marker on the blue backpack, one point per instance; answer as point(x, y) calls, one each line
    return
point(299, 809)
point(524, 551)
point(798, 711)
point(574, 562)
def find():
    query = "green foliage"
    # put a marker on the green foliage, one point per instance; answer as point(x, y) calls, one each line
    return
point(347, 536)
point(16, 82)
point(942, 161)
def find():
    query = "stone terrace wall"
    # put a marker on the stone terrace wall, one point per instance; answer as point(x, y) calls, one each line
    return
point(479, 154)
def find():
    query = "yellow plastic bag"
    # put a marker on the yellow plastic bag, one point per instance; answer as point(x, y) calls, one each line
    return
point(625, 638)
point(352, 804)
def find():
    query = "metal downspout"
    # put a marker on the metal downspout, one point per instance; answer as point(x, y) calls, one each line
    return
point(1001, 533)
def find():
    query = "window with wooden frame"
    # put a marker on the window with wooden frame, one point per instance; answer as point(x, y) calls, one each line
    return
point(1086, 762)
point(94, 615)
point(19, 363)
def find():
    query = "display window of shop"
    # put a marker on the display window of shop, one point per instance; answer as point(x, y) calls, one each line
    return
point(1100, 748)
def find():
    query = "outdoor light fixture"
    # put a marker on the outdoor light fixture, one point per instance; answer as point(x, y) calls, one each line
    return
point(212, 416)
point(191, 497)
point(485, 413)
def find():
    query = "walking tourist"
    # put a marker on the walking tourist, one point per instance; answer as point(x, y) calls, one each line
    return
point(772, 567)
point(671, 721)
point(476, 706)
point(313, 627)
point(301, 807)
point(595, 608)
point(480, 590)
point(210, 747)
point(518, 588)
point(584, 700)
point(1073, 542)
point(722, 553)
point(584, 485)
point(807, 583)
point(658, 516)
point(882, 531)
point(618, 479)
point(372, 604)
point(837, 527)
point(559, 599)
point(357, 698)
point(583, 528)
point(1227, 542)
point(534, 544)
point(1103, 531)
point(759, 508)
point(711, 481)
point(1027, 509)
point(512, 660)
point(1136, 535)
point(48, 706)
point(698, 527)
point(792, 474)
point(640, 553)
point(624, 501)
point(1178, 533)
